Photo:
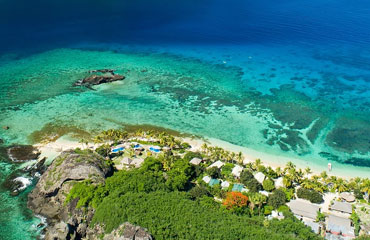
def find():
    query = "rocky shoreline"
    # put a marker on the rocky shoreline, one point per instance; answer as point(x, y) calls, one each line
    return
point(65, 220)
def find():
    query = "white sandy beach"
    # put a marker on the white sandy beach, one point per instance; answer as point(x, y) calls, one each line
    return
point(53, 149)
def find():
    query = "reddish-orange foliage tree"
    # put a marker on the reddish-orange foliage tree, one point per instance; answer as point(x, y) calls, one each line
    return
point(235, 199)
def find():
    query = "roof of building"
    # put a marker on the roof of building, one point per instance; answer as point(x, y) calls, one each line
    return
point(126, 160)
point(341, 207)
point(137, 162)
point(225, 184)
point(237, 187)
point(347, 196)
point(279, 183)
point(206, 179)
point(214, 182)
point(313, 225)
point(304, 209)
point(260, 177)
point(195, 161)
point(339, 225)
point(237, 170)
point(217, 164)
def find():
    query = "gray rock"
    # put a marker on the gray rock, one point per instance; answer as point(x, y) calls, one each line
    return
point(48, 197)
point(127, 231)
point(57, 232)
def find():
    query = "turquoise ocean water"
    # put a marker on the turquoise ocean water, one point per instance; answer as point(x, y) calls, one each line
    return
point(287, 79)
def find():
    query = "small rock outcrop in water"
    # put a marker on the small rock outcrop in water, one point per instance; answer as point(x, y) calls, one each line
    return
point(65, 221)
point(99, 77)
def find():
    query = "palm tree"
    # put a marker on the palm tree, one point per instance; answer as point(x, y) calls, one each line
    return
point(279, 171)
point(307, 171)
point(240, 158)
point(287, 181)
point(257, 163)
point(365, 185)
point(324, 176)
point(257, 199)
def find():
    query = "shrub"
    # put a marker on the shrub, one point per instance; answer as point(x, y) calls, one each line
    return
point(358, 194)
point(310, 194)
point(227, 169)
point(198, 192)
point(268, 184)
point(246, 176)
point(214, 172)
point(253, 185)
point(289, 193)
point(103, 150)
point(277, 199)
point(235, 200)
point(267, 210)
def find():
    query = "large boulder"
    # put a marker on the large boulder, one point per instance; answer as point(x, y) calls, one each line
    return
point(125, 231)
point(48, 197)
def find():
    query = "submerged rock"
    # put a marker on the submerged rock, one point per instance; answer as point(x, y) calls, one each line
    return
point(105, 76)
point(22, 153)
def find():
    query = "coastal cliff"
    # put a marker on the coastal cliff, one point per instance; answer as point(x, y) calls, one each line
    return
point(65, 221)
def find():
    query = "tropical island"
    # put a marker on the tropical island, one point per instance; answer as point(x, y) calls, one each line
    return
point(148, 184)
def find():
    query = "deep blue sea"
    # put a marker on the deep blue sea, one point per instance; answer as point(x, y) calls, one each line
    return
point(284, 78)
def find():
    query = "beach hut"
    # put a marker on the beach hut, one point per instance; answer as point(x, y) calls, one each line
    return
point(126, 161)
point(137, 162)
point(279, 183)
point(303, 209)
point(195, 161)
point(225, 184)
point(213, 182)
point(339, 226)
point(313, 225)
point(237, 187)
point(341, 207)
point(237, 170)
point(264, 193)
point(206, 179)
point(217, 164)
point(260, 177)
point(347, 197)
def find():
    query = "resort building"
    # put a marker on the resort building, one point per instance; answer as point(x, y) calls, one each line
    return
point(302, 209)
point(237, 187)
point(213, 182)
point(225, 184)
point(279, 183)
point(195, 161)
point(339, 228)
point(341, 207)
point(137, 162)
point(206, 179)
point(237, 170)
point(348, 197)
point(306, 212)
point(126, 161)
point(260, 177)
point(217, 164)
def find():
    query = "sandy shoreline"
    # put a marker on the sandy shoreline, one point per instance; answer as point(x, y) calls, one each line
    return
point(52, 149)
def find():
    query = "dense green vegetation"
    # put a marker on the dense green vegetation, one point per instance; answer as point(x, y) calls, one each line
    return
point(162, 196)
point(310, 194)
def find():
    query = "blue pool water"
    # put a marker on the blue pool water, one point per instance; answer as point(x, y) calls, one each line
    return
point(289, 78)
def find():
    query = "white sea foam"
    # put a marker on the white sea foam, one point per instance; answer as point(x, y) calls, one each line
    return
point(25, 182)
